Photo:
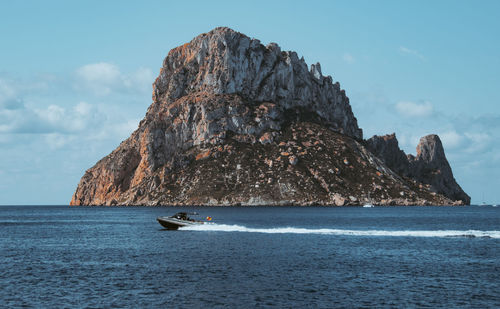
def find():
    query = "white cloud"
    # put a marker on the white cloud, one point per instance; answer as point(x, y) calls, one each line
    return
point(6, 90)
point(83, 108)
point(52, 119)
point(4, 138)
point(4, 128)
point(451, 139)
point(68, 127)
point(140, 79)
point(99, 72)
point(411, 109)
point(57, 140)
point(53, 114)
point(496, 156)
point(347, 57)
point(104, 78)
point(478, 137)
point(8, 95)
point(412, 52)
point(100, 77)
point(82, 116)
point(37, 107)
point(477, 142)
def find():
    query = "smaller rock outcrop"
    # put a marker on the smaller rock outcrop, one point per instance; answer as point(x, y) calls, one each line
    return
point(429, 167)
point(387, 148)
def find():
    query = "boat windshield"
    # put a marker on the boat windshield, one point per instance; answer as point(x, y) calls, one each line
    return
point(184, 215)
point(181, 216)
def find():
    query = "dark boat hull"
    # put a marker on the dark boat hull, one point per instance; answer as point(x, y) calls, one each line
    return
point(168, 225)
point(173, 224)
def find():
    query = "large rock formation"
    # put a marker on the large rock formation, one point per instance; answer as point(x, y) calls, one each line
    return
point(234, 122)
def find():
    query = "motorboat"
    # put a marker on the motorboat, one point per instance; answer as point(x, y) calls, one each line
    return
point(180, 219)
point(368, 206)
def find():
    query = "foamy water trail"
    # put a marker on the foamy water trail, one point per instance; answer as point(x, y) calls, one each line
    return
point(325, 231)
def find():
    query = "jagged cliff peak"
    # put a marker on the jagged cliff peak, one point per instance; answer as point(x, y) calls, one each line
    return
point(430, 150)
point(224, 61)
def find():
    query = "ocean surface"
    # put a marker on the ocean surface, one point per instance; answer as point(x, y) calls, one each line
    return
point(251, 257)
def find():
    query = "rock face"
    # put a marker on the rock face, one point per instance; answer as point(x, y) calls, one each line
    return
point(234, 122)
point(227, 62)
point(429, 167)
point(386, 148)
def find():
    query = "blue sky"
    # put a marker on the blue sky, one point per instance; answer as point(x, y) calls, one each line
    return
point(75, 77)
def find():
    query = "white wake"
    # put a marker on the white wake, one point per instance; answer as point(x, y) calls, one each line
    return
point(325, 231)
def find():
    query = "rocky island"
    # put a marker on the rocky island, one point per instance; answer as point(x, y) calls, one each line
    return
point(234, 122)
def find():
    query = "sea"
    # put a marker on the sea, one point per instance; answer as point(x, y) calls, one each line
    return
point(250, 257)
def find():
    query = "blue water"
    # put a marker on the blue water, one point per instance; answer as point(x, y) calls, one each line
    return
point(55, 256)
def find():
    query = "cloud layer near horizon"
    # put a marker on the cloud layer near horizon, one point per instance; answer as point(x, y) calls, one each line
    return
point(56, 126)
